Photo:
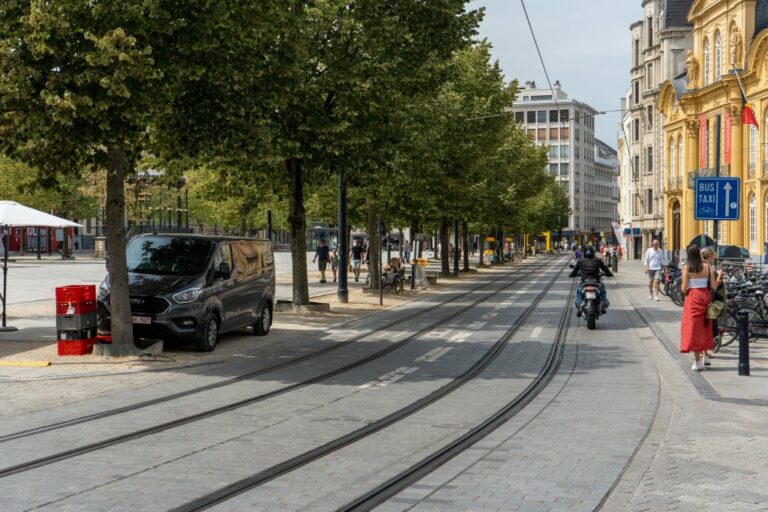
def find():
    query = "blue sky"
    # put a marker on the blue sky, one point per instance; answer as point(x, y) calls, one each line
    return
point(585, 45)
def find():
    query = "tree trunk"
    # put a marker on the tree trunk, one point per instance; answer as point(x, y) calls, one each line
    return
point(400, 243)
point(297, 221)
point(444, 246)
point(243, 214)
point(465, 242)
point(374, 246)
point(119, 296)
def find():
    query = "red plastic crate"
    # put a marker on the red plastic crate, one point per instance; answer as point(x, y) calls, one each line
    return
point(75, 308)
point(75, 347)
point(76, 293)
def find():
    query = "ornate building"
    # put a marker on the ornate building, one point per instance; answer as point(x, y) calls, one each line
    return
point(659, 44)
point(703, 132)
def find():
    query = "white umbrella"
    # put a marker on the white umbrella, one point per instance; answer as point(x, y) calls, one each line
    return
point(13, 214)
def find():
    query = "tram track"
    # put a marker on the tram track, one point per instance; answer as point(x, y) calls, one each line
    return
point(228, 492)
point(263, 371)
point(99, 445)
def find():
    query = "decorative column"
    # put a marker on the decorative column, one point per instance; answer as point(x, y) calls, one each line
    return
point(737, 230)
point(689, 227)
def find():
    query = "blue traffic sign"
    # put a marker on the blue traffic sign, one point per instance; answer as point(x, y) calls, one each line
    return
point(716, 198)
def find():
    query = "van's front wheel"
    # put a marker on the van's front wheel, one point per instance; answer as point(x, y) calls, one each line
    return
point(262, 325)
point(210, 336)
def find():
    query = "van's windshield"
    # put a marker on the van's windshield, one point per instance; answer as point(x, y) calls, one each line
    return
point(167, 255)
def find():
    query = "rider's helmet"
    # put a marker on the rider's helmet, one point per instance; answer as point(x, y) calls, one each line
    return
point(589, 252)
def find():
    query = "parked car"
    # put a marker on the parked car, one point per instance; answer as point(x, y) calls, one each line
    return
point(195, 287)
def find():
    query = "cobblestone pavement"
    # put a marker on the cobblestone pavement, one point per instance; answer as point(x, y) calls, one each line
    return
point(624, 425)
point(209, 453)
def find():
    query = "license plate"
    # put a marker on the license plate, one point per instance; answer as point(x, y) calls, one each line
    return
point(590, 295)
point(142, 320)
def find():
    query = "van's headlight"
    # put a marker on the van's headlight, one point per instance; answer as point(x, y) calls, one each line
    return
point(187, 296)
point(103, 291)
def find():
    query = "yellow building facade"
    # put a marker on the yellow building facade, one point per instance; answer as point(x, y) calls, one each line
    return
point(703, 130)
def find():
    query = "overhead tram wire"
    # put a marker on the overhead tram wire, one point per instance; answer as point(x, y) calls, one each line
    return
point(583, 116)
point(536, 43)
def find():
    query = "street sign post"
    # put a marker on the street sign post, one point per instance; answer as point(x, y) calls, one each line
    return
point(717, 199)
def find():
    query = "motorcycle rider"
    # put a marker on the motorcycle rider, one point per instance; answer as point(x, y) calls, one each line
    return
point(589, 267)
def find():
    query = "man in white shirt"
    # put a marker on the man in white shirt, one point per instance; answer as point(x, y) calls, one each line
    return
point(653, 261)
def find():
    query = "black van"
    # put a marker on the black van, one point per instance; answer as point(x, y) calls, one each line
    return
point(195, 287)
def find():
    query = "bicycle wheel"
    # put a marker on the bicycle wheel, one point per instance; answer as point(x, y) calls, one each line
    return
point(676, 294)
point(729, 330)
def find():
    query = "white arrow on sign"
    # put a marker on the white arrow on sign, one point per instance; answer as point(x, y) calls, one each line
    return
point(727, 189)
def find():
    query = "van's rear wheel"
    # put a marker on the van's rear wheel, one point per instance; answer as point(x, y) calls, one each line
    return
point(262, 325)
point(210, 336)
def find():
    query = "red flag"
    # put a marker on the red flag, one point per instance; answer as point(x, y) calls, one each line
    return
point(748, 115)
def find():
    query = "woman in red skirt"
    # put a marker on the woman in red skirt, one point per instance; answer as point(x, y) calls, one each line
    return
point(695, 327)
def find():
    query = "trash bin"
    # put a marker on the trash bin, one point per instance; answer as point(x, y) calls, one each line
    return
point(75, 319)
point(420, 274)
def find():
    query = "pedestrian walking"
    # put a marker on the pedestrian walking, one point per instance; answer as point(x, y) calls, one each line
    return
point(653, 261)
point(577, 253)
point(407, 252)
point(334, 261)
point(708, 256)
point(356, 257)
point(699, 281)
point(321, 256)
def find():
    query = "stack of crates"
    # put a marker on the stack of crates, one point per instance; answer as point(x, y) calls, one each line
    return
point(76, 319)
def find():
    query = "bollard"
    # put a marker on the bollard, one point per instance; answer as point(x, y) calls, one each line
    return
point(743, 343)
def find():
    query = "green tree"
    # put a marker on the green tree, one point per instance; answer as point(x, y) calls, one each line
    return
point(83, 84)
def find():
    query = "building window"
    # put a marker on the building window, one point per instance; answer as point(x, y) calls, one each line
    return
point(553, 135)
point(649, 83)
point(752, 148)
point(552, 151)
point(542, 134)
point(519, 117)
point(718, 57)
point(650, 31)
point(563, 169)
point(649, 160)
point(765, 150)
point(636, 95)
point(680, 164)
point(766, 217)
point(531, 116)
point(553, 116)
point(553, 169)
point(564, 116)
point(752, 222)
point(636, 168)
point(706, 62)
point(636, 131)
point(541, 116)
point(672, 158)
point(636, 52)
point(565, 133)
point(649, 201)
point(649, 117)
point(564, 150)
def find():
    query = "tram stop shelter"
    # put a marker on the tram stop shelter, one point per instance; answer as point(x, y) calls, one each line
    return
point(13, 214)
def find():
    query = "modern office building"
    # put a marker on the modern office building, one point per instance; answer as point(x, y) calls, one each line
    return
point(567, 128)
point(606, 185)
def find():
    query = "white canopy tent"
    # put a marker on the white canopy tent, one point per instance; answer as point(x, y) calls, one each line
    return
point(13, 214)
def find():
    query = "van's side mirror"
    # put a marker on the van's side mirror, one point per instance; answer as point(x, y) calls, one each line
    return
point(223, 271)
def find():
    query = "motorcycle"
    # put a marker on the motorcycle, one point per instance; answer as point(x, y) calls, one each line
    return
point(591, 307)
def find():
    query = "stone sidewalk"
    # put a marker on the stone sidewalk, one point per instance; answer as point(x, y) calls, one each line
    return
point(707, 446)
point(719, 382)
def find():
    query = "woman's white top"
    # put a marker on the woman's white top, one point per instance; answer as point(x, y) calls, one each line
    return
point(698, 282)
